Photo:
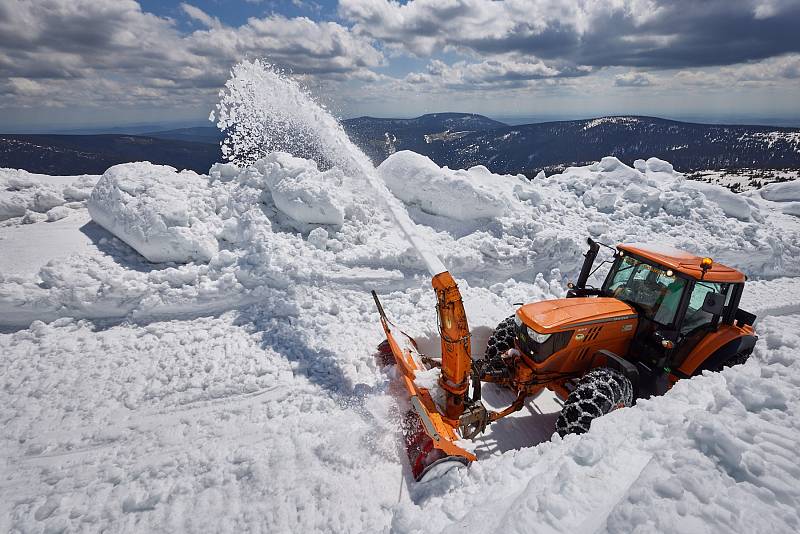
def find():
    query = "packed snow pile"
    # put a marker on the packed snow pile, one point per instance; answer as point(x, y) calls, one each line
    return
point(732, 204)
point(163, 214)
point(41, 198)
point(782, 192)
point(462, 194)
point(785, 195)
point(240, 232)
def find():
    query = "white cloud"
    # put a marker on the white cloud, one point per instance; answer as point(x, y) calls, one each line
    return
point(775, 71)
point(60, 43)
point(633, 79)
point(600, 33)
point(195, 13)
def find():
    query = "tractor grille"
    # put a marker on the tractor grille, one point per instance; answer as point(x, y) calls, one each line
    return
point(592, 334)
point(539, 352)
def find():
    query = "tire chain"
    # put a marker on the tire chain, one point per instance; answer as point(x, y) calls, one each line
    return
point(501, 339)
point(599, 392)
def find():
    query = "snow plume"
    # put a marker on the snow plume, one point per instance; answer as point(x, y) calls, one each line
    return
point(263, 110)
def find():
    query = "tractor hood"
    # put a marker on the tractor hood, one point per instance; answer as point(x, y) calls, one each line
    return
point(562, 314)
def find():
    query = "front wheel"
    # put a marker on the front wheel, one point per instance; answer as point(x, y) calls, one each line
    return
point(599, 392)
point(501, 340)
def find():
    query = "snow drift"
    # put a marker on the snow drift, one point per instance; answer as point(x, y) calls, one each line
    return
point(461, 195)
point(282, 221)
point(163, 214)
point(273, 414)
point(36, 196)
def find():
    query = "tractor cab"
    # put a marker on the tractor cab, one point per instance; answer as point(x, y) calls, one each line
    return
point(679, 298)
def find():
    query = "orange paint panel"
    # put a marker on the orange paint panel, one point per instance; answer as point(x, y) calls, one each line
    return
point(579, 354)
point(709, 344)
point(684, 262)
point(406, 358)
point(560, 314)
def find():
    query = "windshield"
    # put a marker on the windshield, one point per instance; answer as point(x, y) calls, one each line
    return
point(656, 292)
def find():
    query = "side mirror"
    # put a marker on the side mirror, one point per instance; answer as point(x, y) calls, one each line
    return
point(714, 303)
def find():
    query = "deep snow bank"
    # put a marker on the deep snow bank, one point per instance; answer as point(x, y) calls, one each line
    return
point(274, 416)
point(283, 221)
point(782, 192)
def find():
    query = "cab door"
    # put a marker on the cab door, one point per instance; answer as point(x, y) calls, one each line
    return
point(696, 322)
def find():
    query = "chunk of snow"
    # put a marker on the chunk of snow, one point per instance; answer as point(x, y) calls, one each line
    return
point(659, 165)
point(782, 192)
point(301, 191)
point(732, 204)
point(45, 200)
point(462, 195)
point(164, 215)
point(318, 237)
point(12, 206)
point(32, 217)
point(792, 208)
point(58, 213)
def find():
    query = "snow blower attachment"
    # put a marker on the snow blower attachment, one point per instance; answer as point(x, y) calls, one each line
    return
point(430, 430)
point(660, 315)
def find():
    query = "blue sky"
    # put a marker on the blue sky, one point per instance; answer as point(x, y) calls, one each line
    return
point(75, 63)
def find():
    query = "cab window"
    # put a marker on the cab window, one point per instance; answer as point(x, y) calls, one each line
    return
point(654, 291)
point(695, 316)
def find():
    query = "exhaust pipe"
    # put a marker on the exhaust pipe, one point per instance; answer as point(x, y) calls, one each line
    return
point(588, 262)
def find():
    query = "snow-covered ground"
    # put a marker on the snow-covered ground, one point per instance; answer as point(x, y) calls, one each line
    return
point(236, 390)
point(744, 179)
point(191, 353)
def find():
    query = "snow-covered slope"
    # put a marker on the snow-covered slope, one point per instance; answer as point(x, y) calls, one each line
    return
point(235, 390)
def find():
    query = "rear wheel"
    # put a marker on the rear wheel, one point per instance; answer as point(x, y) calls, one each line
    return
point(739, 359)
point(501, 340)
point(599, 392)
point(736, 359)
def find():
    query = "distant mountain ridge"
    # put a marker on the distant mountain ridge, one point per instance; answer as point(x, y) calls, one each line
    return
point(530, 148)
point(93, 154)
point(457, 140)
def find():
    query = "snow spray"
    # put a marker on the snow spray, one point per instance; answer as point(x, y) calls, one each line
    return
point(262, 110)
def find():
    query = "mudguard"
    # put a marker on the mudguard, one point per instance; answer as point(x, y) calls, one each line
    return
point(716, 348)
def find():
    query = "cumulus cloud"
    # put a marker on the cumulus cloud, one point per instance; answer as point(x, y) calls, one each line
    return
point(600, 33)
point(633, 79)
point(112, 53)
point(118, 47)
point(201, 16)
point(770, 72)
point(508, 71)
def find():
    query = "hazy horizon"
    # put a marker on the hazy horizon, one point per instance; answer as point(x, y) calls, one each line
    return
point(134, 128)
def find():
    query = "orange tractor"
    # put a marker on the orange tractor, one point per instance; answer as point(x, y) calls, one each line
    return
point(660, 315)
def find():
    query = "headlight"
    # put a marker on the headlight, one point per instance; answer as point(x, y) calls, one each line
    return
point(536, 336)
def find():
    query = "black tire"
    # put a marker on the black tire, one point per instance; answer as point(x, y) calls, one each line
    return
point(599, 392)
point(736, 359)
point(501, 339)
point(739, 359)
